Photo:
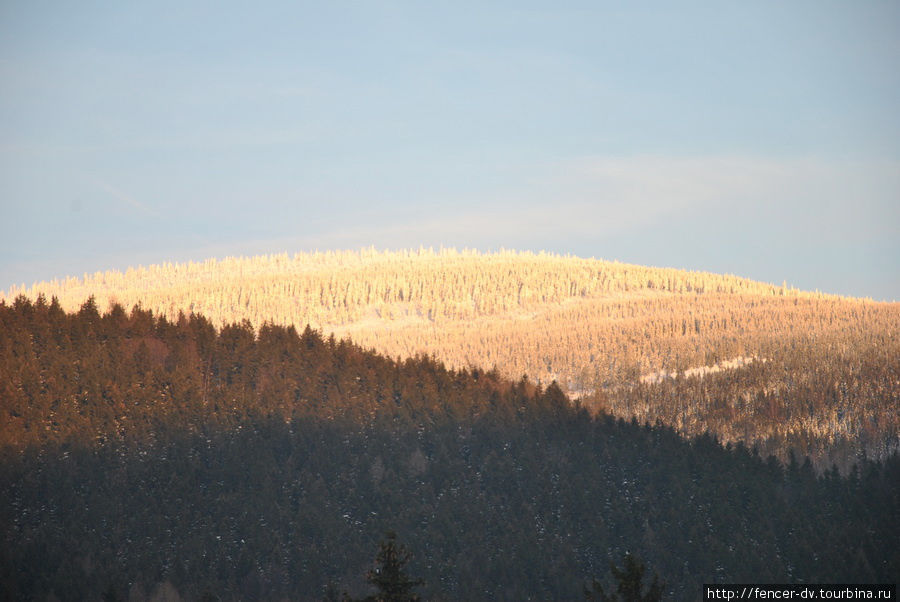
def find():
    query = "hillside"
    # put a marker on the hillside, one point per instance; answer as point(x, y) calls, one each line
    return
point(142, 456)
point(753, 362)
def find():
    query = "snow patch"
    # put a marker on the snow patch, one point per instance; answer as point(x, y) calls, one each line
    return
point(701, 371)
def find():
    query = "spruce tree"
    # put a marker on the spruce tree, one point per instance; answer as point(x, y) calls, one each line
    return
point(629, 588)
point(393, 584)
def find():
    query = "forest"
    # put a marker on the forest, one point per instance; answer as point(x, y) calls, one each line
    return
point(809, 372)
point(142, 456)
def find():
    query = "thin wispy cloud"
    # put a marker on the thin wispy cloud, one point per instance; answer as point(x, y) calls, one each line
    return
point(666, 211)
point(659, 184)
point(594, 196)
point(126, 199)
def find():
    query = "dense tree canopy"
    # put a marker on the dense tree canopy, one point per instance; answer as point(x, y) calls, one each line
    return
point(142, 455)
point(753, 362)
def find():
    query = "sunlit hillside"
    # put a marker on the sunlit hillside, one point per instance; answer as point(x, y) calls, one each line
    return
point(752, 362)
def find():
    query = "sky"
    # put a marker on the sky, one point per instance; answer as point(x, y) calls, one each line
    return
point(753, 138)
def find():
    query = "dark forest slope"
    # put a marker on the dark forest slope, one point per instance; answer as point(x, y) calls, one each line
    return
point(139, 452)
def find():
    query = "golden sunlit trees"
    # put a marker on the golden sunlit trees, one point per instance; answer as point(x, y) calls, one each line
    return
point(696, 350)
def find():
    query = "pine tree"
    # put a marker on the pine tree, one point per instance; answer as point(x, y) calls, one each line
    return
point(630, 585)
point(393, 584)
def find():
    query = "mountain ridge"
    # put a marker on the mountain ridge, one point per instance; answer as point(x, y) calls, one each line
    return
point(597, 327)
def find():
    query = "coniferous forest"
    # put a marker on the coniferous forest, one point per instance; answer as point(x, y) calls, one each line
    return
point(147, 456)
point(769, 366)
point(411, 301)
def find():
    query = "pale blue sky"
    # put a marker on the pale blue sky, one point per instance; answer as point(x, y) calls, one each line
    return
point(755, 138)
